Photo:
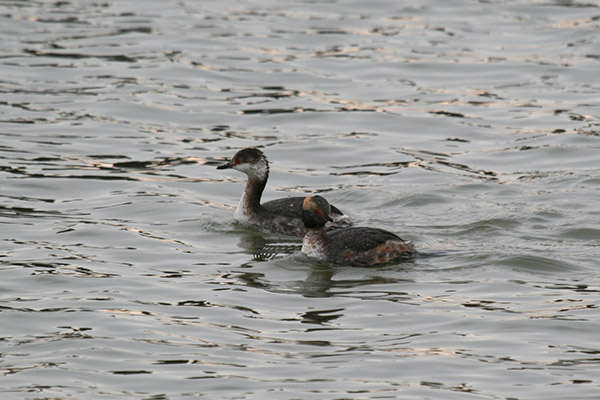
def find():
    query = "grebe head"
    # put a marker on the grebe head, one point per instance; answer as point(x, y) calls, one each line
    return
point(315, 212)
point(250, 161)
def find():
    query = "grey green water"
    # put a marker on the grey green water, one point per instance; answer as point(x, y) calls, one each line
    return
point(471, 128)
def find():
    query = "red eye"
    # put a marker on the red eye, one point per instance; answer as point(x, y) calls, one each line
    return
point(238, 161)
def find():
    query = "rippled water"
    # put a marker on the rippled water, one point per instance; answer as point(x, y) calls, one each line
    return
point(470, 128)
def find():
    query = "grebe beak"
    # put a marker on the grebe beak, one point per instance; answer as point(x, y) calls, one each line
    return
point(224, 166)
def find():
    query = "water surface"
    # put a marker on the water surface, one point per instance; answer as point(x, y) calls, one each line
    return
point(470, 128)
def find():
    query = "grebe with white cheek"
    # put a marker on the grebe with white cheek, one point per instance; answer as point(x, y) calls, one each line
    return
point(281, 215)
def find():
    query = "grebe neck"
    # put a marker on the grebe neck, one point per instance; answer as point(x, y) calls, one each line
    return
point(314, 242)
point(249, 203)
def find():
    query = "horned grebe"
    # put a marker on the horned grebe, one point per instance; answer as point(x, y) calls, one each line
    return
point(357, 246)
point(281, 215)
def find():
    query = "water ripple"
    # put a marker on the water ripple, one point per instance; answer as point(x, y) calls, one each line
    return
point(472, 133)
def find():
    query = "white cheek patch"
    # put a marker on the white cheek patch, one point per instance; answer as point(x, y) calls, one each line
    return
point(256, 171)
